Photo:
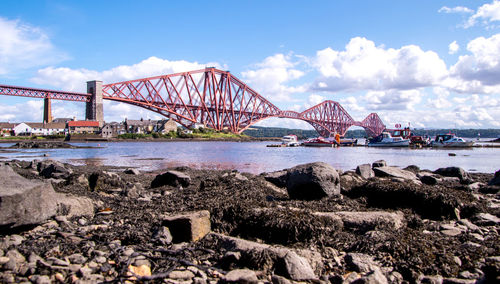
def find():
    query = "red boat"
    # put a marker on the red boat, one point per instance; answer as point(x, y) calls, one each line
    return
point(321, 142)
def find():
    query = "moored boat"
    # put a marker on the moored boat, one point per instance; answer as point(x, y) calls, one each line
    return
point(321, 142)
point(450, 140)
point(290, 141)
point(386, 140)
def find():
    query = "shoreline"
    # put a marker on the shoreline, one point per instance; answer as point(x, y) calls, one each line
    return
point(361, 224)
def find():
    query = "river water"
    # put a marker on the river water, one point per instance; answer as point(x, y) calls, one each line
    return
point(255, 157)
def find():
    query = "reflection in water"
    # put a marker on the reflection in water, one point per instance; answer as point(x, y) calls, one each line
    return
point(255, 157)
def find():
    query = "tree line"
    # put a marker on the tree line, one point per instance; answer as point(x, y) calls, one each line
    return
point(258, 132)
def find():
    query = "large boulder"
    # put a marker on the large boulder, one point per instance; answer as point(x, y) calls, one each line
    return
point(365, 170)
point(53, 169)
point(30, 202)
point(23, 201)
point(379, 163)
point(312, 181)
point(71, 206)
point(277, 178)
point(366, 220)
point(496, 179)
point(188, 226)
point(296, 266)
point(394, 172)
point(454, 172)
point(172, 178)
point(105, 181)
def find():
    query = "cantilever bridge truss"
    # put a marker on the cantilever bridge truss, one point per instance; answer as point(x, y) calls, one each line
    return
point(212, 98)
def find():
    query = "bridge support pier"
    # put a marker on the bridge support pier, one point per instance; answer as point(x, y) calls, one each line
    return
point(47, 111)
point(94, 109)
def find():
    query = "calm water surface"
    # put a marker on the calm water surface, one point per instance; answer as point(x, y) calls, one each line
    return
point(255, 157)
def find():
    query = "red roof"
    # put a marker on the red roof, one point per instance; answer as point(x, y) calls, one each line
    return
point(83, 123)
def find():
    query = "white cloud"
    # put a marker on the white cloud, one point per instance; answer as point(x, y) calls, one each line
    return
point(487, 13)
point(31, 111)
point(364, 66)
point(441, 100)
point(23, 46)
point(453, 47)
point(458, 9)
point(393, 99)
point(271, 78)
point(478, 72)
point(313, 100)
point(75, 79)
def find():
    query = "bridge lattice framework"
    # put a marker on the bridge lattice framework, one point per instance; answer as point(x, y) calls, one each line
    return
point(210, 97)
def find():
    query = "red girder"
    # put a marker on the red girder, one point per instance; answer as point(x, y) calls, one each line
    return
point(213, 98)
point(43, 94)
point(372, 124)
point(209, 96)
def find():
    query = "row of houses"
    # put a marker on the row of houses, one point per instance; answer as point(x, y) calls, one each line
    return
point(63, 126)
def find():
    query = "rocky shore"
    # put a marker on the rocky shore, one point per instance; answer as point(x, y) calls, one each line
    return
point(311, 223)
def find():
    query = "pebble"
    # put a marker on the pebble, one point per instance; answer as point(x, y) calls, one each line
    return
point(181, 275)
point(142, 270)
point(100, 259)
point(4, 260)
point(77, 258)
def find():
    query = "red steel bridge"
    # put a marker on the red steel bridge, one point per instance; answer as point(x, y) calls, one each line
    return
point(210, 97)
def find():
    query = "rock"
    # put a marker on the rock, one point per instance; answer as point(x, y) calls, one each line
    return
point(412, 168)
point(427, 178)
point(133, 190)
point(181, 275)
point(41, 279)
point(77, 258)
point(379, 163)
point(16, 259)
point(105, 180)
point(276, 279)
point(188, 227)
point(487, 219)
point(241, 276)
point(24, 202)
point(367, 220)
point(475, 186)
point(83, 180)
point(70, 206)
point(394, 172)
point(12, 240)
point(454, 172)
point(297, 266)
point(365, 170)
point(172, 178)
point(373, 277)
point(469, 225)
point(277, 178)
point(132, 171)
point(495, 180)
point(432, 279)
point(361, 262)
point(312, 181)
point(141, 271)
point(163, 236)
point(240, 177)
point(53, 169)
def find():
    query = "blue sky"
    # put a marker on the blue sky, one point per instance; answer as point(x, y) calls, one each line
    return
point(431, 63)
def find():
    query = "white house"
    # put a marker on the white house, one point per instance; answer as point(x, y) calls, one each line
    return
point(36, 128)
point(22, 129)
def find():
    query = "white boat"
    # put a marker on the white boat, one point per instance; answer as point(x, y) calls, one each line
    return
point(386, 140)
point(321, 142)
point(290, 141)
point(450, 140)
